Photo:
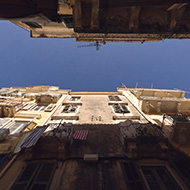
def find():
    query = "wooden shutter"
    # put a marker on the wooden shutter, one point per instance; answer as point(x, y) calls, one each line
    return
point(159, 178)
point(3, 157)
point(43, 177)
point(132, 175)
point(36, 176)
point(26, 177)
point(183, 169)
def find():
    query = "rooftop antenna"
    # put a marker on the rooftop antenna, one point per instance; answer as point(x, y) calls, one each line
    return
point(122, 85)
point(97, 44)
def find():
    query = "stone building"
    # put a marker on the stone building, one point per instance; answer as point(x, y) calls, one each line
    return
point(101, 20)
point(128, 139)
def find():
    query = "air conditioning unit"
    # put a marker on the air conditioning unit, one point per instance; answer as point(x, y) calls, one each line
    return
point(4, 133)
point(91, 157)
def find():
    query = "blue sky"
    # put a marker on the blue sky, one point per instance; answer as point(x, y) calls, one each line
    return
point(28, 61)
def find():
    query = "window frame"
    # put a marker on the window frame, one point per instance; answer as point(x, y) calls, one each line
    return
point(13, 121)
point(162, 186)
point(41, 108)
point(120, 105)
point(114, 98)
point(138, 175)
point(70, 106)
point(29, 184)
point(75, 98)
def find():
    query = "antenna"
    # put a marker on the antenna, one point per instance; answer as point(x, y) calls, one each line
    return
point(122, 85)
point(97, 44)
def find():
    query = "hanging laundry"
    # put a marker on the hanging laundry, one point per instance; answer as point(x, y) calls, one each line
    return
point(81, 134)
point(33, 137)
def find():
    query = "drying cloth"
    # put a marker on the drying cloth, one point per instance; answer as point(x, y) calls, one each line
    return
point(81, 134)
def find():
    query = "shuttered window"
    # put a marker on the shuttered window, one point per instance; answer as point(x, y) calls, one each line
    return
point(133, 178)
point(69, 109)
point(159, 178)
point(39, 108)
point(68, 20)
point(50, 107)
point(3, 157)
point(29, 106)
point(32, 24)
point(75, 98)
point(17, 127)
point(118, 108)
point(114, 98)
point(182, 166)
point(36, 176)
point(4, 121)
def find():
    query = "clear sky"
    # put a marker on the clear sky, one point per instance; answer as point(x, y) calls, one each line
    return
point(28, 61)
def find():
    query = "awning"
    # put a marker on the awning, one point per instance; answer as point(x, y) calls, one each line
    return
point(81, 134)
point(33, 137)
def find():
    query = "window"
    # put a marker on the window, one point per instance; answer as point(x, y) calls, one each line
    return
point(32, 24)
point(119, 108)
point(17, 126)
point(50, 107)
point(3, 157)
point(114, 98)
point(75, 98)
point(69, 109)
point(4, 121)
point(159, 178)
point(68, 20)
point(35, 176)
point(29, 106)
point(39, 108)
point(132, 175)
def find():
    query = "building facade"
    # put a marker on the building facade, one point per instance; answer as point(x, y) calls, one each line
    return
point(132, 138)
point(102, 21)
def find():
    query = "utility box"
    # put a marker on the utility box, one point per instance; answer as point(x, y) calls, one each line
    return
point(91, 157)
